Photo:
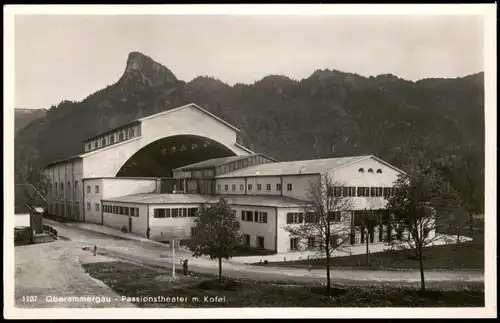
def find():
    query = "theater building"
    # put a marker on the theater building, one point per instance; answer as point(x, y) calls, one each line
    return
point(149, 177)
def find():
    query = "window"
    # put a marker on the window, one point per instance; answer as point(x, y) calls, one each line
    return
point(246, 240)
point(311, 217)
point(334, 216)
point(233, 187)
point(278, 187)
point(259, 187)
point(97, 207)
point(88, 188)
point(289, 187)
point(361, 170)
point(103, 142)
point(260, 242)
point(121, 210)
point(120, 136)
point(131, 132)
point(268, 187)
point(226, 187)
point(363, 191)
point(337, 191)
point(242, 187)
point(311, 242)
point(348, 191)
point(184, 213)
point(292, 218)
point(218, 187)
point(379, 171)
point(175, 213)
point(192, 212)
point(370, 170)
point(89, 146)
point(136, 212)
point(112, 139)
point(96, 189)
point(75, 191)
point(294, 244)
point(260, 217)
point(62, 190)
point(88, 206)
point(249, 187)
point(159, 213)
point(126, 209)
point(376, 191)
point(247, 216)
point(132, 211)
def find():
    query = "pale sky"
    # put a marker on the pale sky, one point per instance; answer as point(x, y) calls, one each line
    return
point(69, 57)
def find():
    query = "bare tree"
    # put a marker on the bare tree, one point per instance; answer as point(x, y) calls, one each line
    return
point(325, 224)
point(422, 199)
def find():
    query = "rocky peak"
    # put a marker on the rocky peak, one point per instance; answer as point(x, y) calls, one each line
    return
point(143, 70)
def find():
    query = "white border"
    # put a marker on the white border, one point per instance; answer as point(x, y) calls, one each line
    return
point(486, 10)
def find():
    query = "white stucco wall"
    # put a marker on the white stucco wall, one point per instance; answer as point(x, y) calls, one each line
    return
point(117, 221)
point(350, 176)
point(162, 229)
point(69, 172)
point(107, 161)
point(254, 229)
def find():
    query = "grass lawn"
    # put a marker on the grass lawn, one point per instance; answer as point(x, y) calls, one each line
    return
point(468, 255)
point(136, 281)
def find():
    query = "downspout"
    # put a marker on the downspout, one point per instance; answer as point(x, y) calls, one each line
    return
point(147, 222)
point(276, 231)
point(102, 214)
point(246, 186)
point(83, 199)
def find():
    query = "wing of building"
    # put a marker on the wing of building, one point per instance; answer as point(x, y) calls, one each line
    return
point(202, 163)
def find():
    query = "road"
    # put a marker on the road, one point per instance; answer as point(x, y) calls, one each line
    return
point(50, 275)
point(159, 255)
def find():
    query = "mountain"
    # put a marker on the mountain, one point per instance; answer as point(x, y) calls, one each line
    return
point(330, 113)
point(23, 117)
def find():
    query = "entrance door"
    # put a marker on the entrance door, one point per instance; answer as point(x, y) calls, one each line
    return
point(129, 224)
point(260, 242)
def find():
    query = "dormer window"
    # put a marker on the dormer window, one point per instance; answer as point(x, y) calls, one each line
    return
point(379, 171)
point(361, 170)
point(370, 170)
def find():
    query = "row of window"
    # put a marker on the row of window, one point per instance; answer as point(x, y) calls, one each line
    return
point(175, 212)
point(121, 210)
point(254, 216)
point(362, 191)
point(75, 189)
point(250, 187)
point(370, 170)
point(111, 139)
point(310, 217)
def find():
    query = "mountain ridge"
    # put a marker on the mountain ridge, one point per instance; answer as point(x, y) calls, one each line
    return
point(328, 114)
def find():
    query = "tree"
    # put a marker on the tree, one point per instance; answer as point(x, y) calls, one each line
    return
point(326, 225)
point(366, 221)
point(216, 233)
point(422, 198)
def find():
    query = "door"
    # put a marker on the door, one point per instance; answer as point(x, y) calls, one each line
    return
point(260, 242)
point(129, 224)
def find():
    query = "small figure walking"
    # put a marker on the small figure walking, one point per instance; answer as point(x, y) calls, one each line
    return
point(185, 267)
point(95, 250)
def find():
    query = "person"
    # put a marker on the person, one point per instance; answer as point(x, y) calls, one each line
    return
point(185, 267)
point(148, 232)
point(95, 250)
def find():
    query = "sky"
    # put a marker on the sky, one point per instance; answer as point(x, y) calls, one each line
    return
point(61, 57)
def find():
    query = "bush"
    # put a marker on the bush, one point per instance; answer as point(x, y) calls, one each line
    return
point(124, 229)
